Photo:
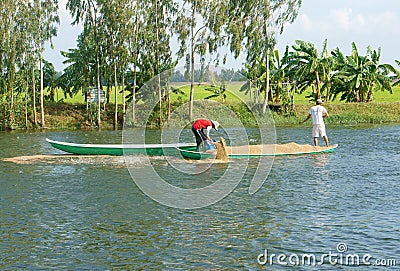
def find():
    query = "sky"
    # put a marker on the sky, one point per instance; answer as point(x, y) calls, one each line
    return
point(365, 22)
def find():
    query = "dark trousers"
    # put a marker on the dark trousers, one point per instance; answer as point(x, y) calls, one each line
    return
point(200, 138)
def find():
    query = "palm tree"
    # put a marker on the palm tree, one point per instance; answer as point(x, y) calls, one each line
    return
point(306, 66)
point(81, 72)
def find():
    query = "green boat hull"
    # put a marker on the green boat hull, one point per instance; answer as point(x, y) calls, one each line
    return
point(190, 154)
point(119, 149)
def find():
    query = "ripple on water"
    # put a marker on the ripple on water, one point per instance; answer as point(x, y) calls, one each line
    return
point(87, 213)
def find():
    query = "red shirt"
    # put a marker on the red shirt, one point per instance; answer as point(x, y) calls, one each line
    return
point(202, 124)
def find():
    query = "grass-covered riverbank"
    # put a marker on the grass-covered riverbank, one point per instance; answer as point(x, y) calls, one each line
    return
point(70, 116)
point(349, 113)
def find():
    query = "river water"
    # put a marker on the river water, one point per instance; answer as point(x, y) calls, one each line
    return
point(87, 213)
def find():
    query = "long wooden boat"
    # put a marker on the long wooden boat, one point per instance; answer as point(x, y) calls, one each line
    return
point(120, 149)
point(190, 154)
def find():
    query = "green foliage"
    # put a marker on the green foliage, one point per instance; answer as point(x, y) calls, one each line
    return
point(24, 27)
point(328, 75)
point(129, 41)
point(254, 25)
point(359, 76)
point(217, 92)
point(306, 67)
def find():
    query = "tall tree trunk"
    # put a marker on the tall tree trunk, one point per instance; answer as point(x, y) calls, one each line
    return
point(123, 98)
point(34, 96)
point(99, 86)
point(108, 92)
point(11, 79)
point(26, 102)
point(134, 95)
point(265, 105)
point(98, 91)
point(266, 82)
point(116, 97)
point(159, 97)
point(41, 91)
point(264, 108)
point(169, 101)
point(41, 68)
point(158, 69)
point(134, 68)
point(192, 65)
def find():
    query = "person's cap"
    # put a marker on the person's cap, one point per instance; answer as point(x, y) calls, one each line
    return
point(319, 101)
point(215, 124)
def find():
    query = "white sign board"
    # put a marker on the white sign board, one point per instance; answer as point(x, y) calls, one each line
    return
point(91, 95)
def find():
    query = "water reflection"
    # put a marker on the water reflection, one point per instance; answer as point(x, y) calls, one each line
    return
point(321, 160)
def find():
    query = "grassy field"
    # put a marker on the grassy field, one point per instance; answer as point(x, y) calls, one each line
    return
point(200, 93)
point(233, 94)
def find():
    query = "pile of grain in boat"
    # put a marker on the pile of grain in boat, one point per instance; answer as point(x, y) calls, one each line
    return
point(287, 148)
point(221, 149)
point(294, 148)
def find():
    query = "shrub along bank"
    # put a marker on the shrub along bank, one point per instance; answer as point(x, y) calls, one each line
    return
point(75, 116)
point(69, 116)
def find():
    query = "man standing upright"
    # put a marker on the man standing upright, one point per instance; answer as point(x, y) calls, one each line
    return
point(318, 113)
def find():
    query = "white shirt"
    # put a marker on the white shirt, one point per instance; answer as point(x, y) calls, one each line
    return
point(208, 130)
point(317, 113)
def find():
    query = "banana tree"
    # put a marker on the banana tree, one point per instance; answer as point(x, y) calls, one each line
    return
point(358, 76)
point(306, 66)
point(278, 73)
point(81, 70)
